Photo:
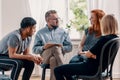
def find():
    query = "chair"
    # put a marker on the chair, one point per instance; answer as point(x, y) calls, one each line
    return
point(44, 66)
point(102, 74)
point(4, 68)
point(2, 71)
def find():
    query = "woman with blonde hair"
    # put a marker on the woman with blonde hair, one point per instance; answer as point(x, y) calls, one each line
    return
point(91, 35)
point(109, 29)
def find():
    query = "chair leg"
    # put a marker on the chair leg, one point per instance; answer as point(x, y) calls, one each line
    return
point(3, 72)
point(111, 78)
point(110, 75)
point(75, 77)
point(43, 73)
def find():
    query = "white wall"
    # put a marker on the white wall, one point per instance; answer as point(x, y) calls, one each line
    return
point(12, 13)
point(113, 7)
point(0, 20)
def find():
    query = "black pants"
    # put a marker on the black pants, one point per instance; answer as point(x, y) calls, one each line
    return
point(17, 65)
point(65, 72)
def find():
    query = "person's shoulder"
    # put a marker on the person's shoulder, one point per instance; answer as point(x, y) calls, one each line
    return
point(15, 33)
point(62, 30)
point(86, 31)
point(42, 30)
point(108, 37)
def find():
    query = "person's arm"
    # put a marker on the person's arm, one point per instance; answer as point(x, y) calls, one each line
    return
point(12, 54)
point(38, 44)
point(81, 44)
point(38, 59)
point(13, 44)
point(88, 54)
point(95, 51)
point(67, 45)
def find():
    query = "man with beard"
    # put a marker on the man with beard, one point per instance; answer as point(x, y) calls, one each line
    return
point(15, 50)
point(52, 42)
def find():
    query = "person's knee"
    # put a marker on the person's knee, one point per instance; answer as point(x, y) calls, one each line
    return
point(57, 50)
point(18, 63)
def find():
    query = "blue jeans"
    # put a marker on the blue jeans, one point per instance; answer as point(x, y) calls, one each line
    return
point(78, 58)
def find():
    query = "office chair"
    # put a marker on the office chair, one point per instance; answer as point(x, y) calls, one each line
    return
point(102, 74)
point(44, 67)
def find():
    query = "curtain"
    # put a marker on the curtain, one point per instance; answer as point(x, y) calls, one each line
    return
point(35, 9)
point(0, 20)
point(40, 7)
point(110, 7)
point(94, 4)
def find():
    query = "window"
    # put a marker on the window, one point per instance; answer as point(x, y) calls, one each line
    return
point(78, 19)
point(73, 14)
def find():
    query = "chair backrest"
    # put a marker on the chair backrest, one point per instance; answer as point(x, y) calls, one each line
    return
point(110, 50)
point(3, 76)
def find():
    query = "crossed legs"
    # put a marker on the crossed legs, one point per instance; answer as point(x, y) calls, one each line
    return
point(54, 57)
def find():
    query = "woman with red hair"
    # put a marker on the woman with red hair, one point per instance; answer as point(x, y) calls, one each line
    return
point(90, 37)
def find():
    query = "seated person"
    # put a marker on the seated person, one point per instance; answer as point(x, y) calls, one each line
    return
point(15, 51)
point(91, 36)
point(109, 28)
point(52, 42)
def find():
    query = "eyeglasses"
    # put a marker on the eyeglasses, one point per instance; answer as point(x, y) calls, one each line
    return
point(55, 19)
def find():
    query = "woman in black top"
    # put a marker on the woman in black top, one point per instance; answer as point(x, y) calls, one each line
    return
point(109, 28)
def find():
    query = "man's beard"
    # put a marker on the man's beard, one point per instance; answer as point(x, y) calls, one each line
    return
point(54, 27)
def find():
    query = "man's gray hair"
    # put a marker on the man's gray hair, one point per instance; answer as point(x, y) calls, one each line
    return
point(47, 14)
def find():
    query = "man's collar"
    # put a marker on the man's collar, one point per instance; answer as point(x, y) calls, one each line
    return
point(50, 29)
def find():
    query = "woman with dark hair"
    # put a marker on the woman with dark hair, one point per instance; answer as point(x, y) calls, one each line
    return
point(109, 29)
point(91, 35)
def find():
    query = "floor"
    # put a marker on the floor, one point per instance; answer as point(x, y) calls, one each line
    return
point(47, 78)
point(35, 78)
